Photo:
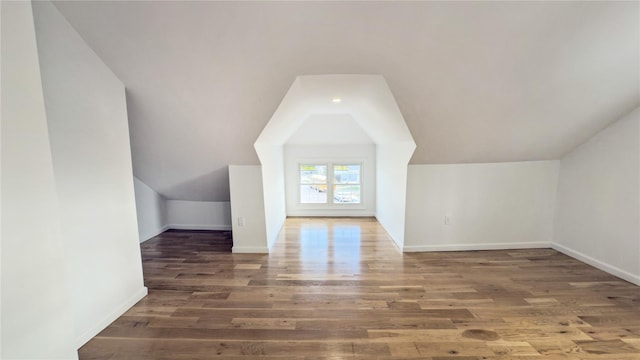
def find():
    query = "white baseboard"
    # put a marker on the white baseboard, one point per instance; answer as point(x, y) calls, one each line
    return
point(613, 270)
point(398, 245)
point(470, 247)
point(250, 250)
point(199, 227)
point(111, 317)
point(155, 233)
point(330, 213)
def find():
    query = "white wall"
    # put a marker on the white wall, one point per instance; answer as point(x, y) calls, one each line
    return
point(491, 206)
point(329, 129)
point(247, 209)
point(198, 215)
point(272, 160)
point(370, 103)
point(361, 153)
point(157, 214)
point(89, 136)
point(598, 208)
point(391, 187)
point(151, 209)
point(36, 319)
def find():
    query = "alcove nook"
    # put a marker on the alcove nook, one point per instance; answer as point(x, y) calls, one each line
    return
point(259, 193)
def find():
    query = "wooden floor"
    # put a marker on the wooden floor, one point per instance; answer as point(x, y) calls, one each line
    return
point(340, 289)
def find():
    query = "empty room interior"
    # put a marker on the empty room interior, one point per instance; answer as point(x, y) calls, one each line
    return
point(321, 180)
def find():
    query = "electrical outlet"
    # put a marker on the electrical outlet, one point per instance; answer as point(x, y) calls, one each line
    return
point(447, 219)
point(240, 221)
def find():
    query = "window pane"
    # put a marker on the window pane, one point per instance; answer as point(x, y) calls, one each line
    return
point(313, 174)
point(347, 184)
point(313, 184)
point(346, 174)
point(346, 194)
point(311, 194)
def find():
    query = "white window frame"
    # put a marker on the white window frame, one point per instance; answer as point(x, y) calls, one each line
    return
point(333, 185)
point(330, 204)
point(300, 184)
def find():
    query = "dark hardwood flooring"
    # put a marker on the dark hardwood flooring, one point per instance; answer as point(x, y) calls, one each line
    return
point(340, 289)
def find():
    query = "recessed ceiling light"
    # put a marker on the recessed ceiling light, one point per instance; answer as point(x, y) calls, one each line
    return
point(336, 100)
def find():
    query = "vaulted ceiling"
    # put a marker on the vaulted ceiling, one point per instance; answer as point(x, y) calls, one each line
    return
point(475, 81)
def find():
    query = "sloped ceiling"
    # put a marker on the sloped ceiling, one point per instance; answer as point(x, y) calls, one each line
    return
point(326, 129)
point(475, 81)
point(366, 98)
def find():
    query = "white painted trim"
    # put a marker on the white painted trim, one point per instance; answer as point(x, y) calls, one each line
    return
point(397, 245)
point(111, 317)
point(272, 241)
point(471, 247)
point(350, 213)
point(155, 233)
point(613, 270)
point(395, 242)
point(250, 250)
point(198, 227)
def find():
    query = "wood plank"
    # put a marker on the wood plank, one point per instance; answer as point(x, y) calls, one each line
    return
point(356, 296)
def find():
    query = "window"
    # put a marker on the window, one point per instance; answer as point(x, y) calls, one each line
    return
point(313, 184)
point(346, 188)
point(343, 187)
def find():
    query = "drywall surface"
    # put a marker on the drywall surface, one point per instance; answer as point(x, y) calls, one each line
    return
point(273, 187)
point(151, 208)
point(36, 319)
point(391, 187)
point(488, 206)
point(598, 208)
point(372, 106)
point(157, 214)
point(364, 154)
point(247, 209)
point(329, 129)
point(477, 81)
point(198, 215)
point(88, 131)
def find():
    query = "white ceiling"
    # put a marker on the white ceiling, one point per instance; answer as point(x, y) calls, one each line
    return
point(327, 129)
point(366, 98)
point(475, 81)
